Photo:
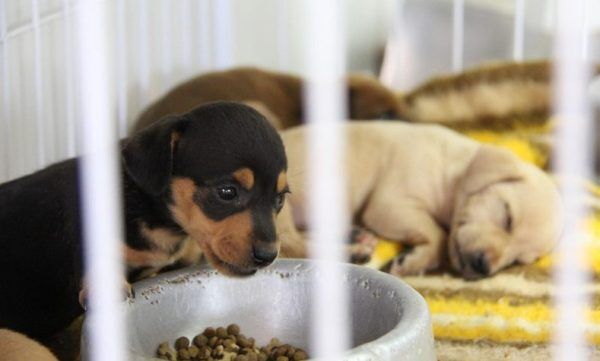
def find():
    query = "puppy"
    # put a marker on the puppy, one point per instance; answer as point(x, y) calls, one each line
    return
point(437, 192)
point(16, 347)
point(279, 92)
point(216, 175)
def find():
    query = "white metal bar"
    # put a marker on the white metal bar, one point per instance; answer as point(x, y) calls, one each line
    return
point(100, 188)
point(69, 81)
point(585, 29)
point(283, 35)
point(39, 89)
point(519, 30)
point(327, 206)
point(204, 34)
point(143, 76)
point(121, 40)
point(6, 125)
point(186, 60)
point(28, 26)
point(458, 26)
point(167, 43)
point(393, 56)
point(573, 160)
point(223, 39)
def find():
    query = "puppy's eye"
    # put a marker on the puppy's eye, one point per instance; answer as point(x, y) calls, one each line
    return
point(280, 200)
point(227, 193)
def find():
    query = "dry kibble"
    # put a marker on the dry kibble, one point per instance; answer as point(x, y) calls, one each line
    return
point(233, 329)
point(182, 342)
point(200, 340)
point(300, 356)
point(228, 344)
point(209, 332)
point(183, 354)
point(193, 350)
point(221, 332)
point(213, 341)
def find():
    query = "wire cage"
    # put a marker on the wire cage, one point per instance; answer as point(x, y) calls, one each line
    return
point(75, 74)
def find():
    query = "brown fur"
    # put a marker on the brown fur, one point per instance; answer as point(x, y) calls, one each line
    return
point(225, 243)
point(280, 93)
point(17, 347)
point(281, 182)
point(245, 176)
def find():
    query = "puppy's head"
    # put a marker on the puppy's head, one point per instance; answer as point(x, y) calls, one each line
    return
point(221, 169)
point(369, 99)
point(506, 211)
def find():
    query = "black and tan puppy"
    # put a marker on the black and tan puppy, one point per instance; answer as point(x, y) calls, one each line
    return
point(215, 175)
point(279, 92)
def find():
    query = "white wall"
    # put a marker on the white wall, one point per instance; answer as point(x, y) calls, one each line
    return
point(161, 42)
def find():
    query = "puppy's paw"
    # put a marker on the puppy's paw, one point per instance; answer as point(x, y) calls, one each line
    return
point(83, 294)
point(407, 265)
point(362, 245)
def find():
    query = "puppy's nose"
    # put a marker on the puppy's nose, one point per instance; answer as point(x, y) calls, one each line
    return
point(264, 256)
point(479, 263)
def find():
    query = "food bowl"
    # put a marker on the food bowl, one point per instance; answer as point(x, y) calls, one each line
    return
point(390, 320)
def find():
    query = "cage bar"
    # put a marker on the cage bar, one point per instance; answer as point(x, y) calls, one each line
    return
point(39, 101)
point(6, 126)
point(327, 214)
point(143, 53)
point(121, 43)
point(572, 161)
point(223, 36)
point(70, 79)
point(458, 29)
point(102, 223)
point(519, 30)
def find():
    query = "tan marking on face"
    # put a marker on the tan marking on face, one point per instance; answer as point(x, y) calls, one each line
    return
point(245, 177)
point(281, 182)
point(227, 244)
point(162, 238)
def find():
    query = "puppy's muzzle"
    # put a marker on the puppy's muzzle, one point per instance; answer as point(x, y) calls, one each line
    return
point(264, 253)
point(476, 265)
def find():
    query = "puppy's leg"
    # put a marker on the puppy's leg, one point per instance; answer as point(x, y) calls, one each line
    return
point(409, 224)
point(83, 293)
point(16, 347)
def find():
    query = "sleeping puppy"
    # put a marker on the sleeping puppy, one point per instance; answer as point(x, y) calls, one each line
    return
point(437, 192)
point(279, 92)
point(216, 175)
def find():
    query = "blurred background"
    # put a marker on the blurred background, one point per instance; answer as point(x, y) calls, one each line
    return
point(158, 43)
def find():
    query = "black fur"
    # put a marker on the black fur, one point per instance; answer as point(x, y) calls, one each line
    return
point(40, 228)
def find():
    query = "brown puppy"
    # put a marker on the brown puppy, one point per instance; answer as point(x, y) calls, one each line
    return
point(280, 93)
point(17, 347)
point(436, 191)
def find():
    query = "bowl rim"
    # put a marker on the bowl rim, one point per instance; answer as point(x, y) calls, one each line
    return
point(415, 322)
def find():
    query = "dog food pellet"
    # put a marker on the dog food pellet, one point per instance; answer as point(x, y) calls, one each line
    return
point(182, 342)
point(228, 344)
point(233, 329)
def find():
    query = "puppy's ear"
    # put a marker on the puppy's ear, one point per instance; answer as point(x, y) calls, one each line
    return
point(148, 154)
point(351, 100)
point(490, 165)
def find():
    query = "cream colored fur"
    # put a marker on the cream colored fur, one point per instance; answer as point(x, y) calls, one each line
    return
point(17, 347)
point(414, 183)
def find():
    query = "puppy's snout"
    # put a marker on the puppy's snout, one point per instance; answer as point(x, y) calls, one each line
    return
point(478, 262)
point(264, 256)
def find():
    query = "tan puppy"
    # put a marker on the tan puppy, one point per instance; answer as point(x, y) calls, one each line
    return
point(17, 347)
point(280, 93)
point(436, 191)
